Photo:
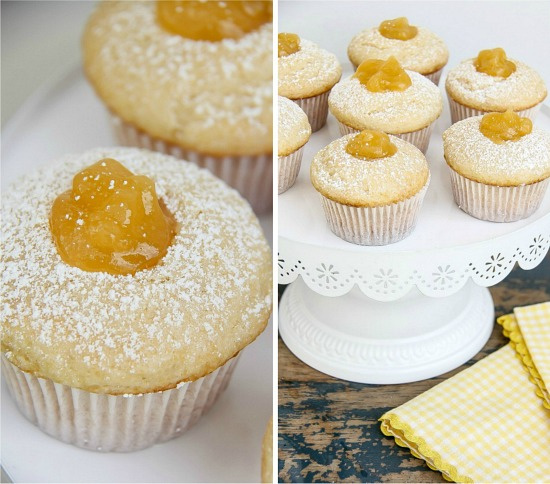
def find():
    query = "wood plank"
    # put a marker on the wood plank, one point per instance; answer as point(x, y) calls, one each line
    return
point(328, 428)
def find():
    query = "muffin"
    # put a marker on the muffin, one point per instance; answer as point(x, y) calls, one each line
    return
point(169, 88)
point(372, 186)
point(381, 95)
point(294, 133)
point(416, 48)
point(267, 453)
point(493, 83)
point(306, 76)
point(124, 354)
point(499, 164)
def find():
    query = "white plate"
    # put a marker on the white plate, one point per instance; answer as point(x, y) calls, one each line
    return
point(224, 446)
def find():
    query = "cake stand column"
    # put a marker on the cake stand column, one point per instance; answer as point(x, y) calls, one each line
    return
point(356, 338)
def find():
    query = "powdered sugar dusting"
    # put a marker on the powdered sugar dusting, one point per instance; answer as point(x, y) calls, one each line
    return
point(393, 111)
point(308, 72)
point(521, 90)
point(207, 298)
point(346, 179)
point(178, 88)
point(424, 53)
point(511, 163)
point(294, 128)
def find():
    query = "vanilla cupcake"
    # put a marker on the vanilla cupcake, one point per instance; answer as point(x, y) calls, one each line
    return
point(416, 48)
point(383, 96)
point(306, 76)
point(499, 164)
point(493, 83)
point(190, 79)
point(267, 453)
point(294, 133)
point(127, 299)
point(372, 186)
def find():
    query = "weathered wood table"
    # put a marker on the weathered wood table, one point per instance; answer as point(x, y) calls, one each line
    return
point(328, 428)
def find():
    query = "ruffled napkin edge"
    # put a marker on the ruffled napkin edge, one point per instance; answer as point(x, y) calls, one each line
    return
point(404, 436)
point(512, 330)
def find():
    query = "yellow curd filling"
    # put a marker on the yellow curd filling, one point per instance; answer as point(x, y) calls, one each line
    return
point(371, 145)
point(288, 44)
point(494, 63)
point(507, 126)
point(383, 76)
point(213, 21)
point(111, 221)
point(398, 29)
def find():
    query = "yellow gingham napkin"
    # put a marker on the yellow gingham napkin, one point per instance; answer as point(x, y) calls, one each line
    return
point(529, 332)
point(485, 424)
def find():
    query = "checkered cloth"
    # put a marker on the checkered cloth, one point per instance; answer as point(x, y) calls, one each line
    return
point(485, 424)
point(529, 332)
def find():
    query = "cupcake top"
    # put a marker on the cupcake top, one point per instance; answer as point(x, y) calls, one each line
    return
point(358, 182)
point(393, 111)
point(204, 301)
point(424, 53)
point(294, 128)
point(510, 163)
point(307, 72)
point(522, 89)
point(267, 453)
point(211, 97)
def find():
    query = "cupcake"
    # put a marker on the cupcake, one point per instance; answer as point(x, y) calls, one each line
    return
point(131, 283)
point(267, 453)
point(493, 83)
point(381, 95)
point(190, 79)
point(500, 165)
point(294, 133)
point(416, 48)
point(372, 186)
point(306, 76)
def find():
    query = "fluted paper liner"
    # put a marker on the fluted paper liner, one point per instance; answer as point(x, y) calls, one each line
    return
point(420, 138)
point(497, 204)
point(460, 111)
point(374, 225)
point(316, 109)
point(434, 76)
point(289, 167)
point(250, 175)
point(119, 423)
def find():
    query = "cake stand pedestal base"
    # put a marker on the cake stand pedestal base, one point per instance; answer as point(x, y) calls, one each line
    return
point(356, 338)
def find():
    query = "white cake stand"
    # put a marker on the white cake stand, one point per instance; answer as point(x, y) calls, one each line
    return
point(406, 311)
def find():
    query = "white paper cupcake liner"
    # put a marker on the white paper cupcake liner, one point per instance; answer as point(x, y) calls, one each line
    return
point(251, 176)
point(289, 167)
point(460, 111)
point(420, 138)
point(374, 225)
point(316, 109)
point(113, 423)
point(497, 204)
point(434, 76)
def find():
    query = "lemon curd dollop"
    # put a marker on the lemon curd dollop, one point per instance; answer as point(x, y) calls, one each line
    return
point(398, 29)
point(111, 221)
point(495, 63)
point(507, 126)
point(288, 44)
point(371, 145)
point(213, 21)
point(383, 76)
